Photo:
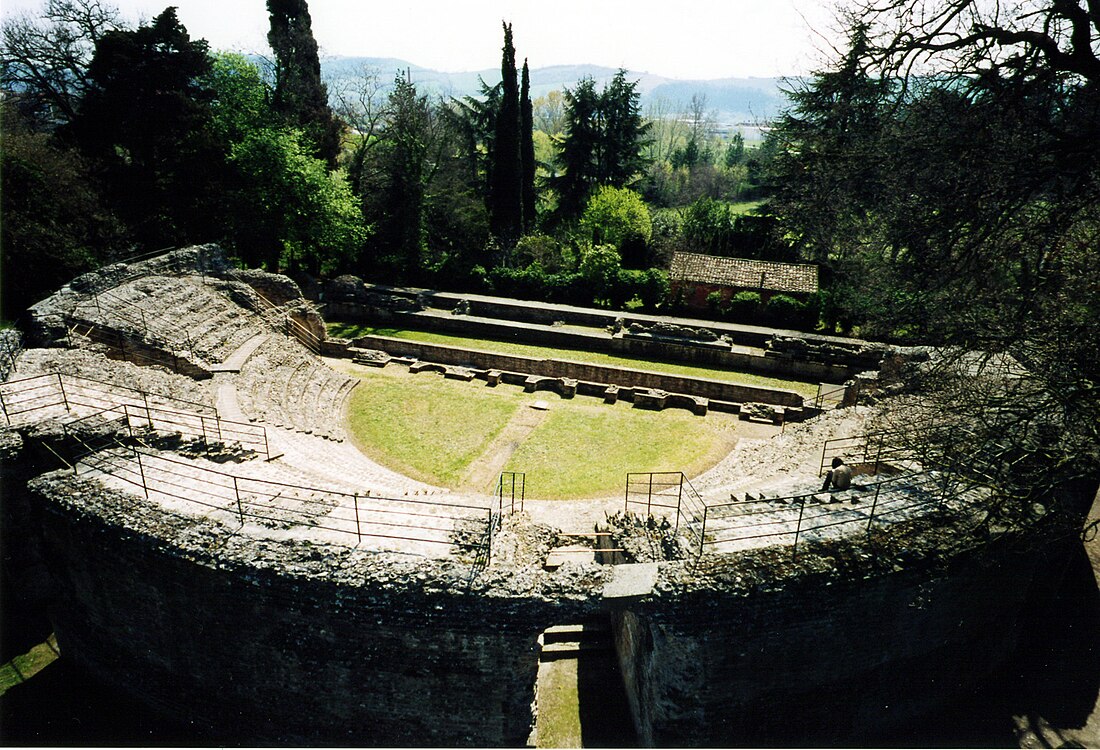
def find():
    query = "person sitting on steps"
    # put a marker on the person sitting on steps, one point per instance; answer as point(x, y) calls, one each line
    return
point(840, 477)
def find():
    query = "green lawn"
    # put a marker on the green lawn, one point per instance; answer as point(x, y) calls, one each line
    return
point(350, 331)
point(423, 426)
point(586, 447)
point(434, 430)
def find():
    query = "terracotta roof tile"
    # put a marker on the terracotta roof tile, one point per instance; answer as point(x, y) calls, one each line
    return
point(744, 273)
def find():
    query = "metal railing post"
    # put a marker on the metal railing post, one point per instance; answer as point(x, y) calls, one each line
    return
point(148, 413)
point(489, 540)
point(237, 492)
point(679, 501)
point(141, 470)
point(202, 426)
point(4, 408)
point(64, 396)
point(874, 504)
point(649, 497)
point(798, 528)
point(358, 530)
point(267, 448)
point(522, 492)
point(126, 414)
point(703, 531)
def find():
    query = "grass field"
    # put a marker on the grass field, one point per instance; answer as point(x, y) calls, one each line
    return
point(347, 330)
point(442, 431)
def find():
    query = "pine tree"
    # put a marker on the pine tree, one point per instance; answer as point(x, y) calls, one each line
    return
point(299, 95)
point(624, 132)
point(505, 178)
point(401, 231)
point(578, 148)
point(527, 150)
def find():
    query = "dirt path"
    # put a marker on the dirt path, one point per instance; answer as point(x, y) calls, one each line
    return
point(482, 473)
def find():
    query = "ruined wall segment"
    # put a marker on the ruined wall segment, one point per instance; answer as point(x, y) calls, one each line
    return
point(298, 643)
point(738, 653)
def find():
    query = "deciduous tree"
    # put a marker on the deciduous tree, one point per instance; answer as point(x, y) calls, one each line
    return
point(46, 59)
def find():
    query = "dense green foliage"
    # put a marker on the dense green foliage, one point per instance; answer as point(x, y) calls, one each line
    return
point(960, 207)
point(55, 225)
point(175, 145)
point(601, 145)
point(146, 123)
point(618, 217)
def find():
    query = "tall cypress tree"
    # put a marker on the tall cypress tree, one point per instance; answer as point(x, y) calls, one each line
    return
point(527, 149)
point(505, 178)
point(300, 96)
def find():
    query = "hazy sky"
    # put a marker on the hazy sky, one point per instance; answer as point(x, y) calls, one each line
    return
point(685, 39)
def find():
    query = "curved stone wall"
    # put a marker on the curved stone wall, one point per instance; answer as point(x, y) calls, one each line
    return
point(267, 641)
point(263, 636)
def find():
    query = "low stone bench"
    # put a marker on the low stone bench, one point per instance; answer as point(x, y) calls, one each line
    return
point(650, 398)
point(454, 372)
point(566, 387)
point(492, 377)
point(418, 367)
point(611, 394)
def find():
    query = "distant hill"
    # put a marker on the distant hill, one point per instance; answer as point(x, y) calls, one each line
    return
point(738, 100)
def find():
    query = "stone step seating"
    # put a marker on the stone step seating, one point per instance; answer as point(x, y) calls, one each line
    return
point(274, 509)
point(341, 469)
point(773, 516)
point(193, 319)
point(42, 397)
point(282, 385)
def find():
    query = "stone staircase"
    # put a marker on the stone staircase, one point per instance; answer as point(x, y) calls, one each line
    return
point(570, 641)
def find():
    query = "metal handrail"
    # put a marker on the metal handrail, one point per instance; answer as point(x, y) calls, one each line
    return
point(47, 380)
point(936, 498)
point(247, 507)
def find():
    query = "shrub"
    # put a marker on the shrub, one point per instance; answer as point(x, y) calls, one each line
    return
point(714, 301)
point(782, 310)
point(654, 288)
point(541, 249)
point(618, 217)
point(744, 307)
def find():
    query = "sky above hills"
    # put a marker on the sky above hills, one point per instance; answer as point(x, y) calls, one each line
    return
point(690, 39)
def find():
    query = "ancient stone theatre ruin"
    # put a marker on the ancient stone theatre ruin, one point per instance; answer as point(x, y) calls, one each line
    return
point(217, 545)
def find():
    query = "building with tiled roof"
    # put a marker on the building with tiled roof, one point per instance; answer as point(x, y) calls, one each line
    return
point(695, 276)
